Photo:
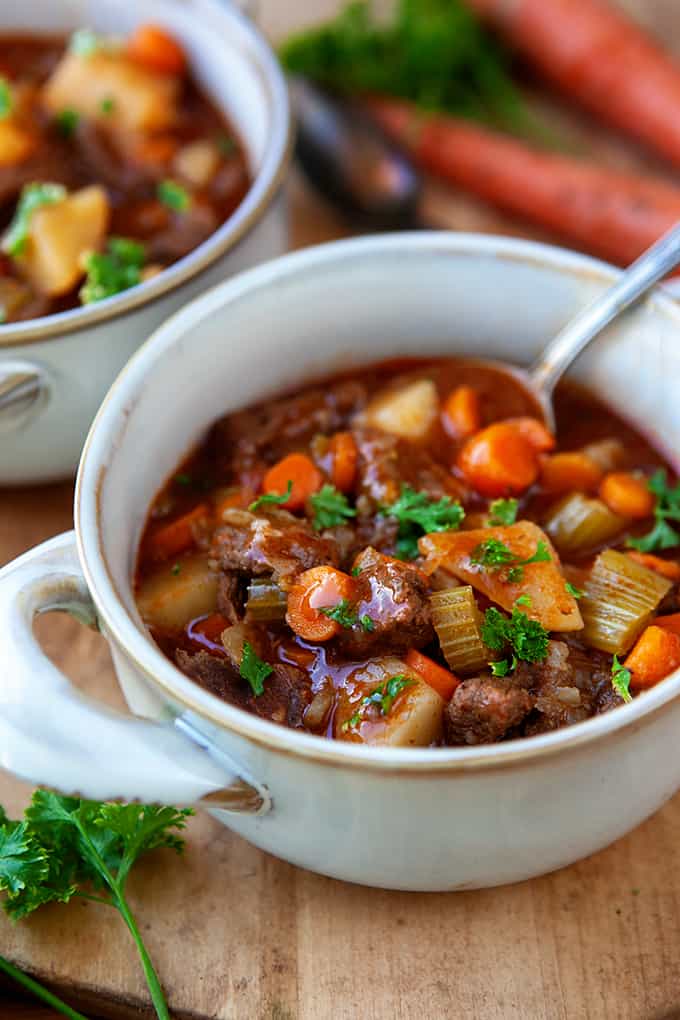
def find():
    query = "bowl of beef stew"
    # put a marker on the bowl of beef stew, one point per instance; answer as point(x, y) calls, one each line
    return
point(141, 153)
point(387, 626)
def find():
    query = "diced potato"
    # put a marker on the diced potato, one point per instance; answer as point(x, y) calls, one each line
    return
point(175, 594)
point(113, 90)
point(58, 237)
point(16, 144)
point(551, 603)
point(197, 162)
point(413, 720)
point(608, 454)
point(408, 411)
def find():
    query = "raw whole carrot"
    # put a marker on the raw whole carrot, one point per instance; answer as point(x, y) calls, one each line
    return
point(302, 472)
point(443, 681)
point(572, 470)
point(601, 58)
point(627, 495)
point(655, 655)
point(461, 414)
point(602, 211)
point(667, 568)
point(316, 589)
point(344, 456)
point(499, 461)
point(152, 46)
point(177, 536)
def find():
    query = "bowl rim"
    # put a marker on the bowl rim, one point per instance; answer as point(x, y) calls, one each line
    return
point(263, 188)
point(164, 675)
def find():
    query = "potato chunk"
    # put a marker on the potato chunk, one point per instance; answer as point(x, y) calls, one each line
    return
point(408, 411)
point(177, 593)
point(16, 144)
point(113, 90)
point(59, 235)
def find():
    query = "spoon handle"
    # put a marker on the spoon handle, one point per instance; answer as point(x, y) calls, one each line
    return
point(634, 283)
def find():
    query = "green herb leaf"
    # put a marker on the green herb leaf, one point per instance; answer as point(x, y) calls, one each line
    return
point(226, 145)
point(173, 195)
point(254, 670)
point(503, 512)
point(271, 498)
point(6, 101)
point(113, 271)
point(349, 724)
point(175, 569)
point(418, 515)
point(572, 590)
point(356, 571)
point(366, 622)
point(107, 106)
point(527, 638)
point(330, 507)
point(32, 197)
point(495, 555)
point(503, 666)
point(67, 122)
point(342, 613)
point(385, 694)
point(663, 535)
point(22, 861)
point(524, 600)
point(621, 677)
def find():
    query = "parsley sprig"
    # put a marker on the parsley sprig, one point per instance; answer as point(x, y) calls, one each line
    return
point(621, 677)
point(667, 508)
point(503, 512)
point(383, 695)
point(331, 508)
point(67, 847)
point(527, 639)
point(33, 196)
point(112, 271)
point(6, 102)
point(418, 515)
point(493, 554)
point(272, 498)
point(253, 669)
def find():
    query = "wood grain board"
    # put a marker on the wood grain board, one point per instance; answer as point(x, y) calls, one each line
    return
point(237, 934)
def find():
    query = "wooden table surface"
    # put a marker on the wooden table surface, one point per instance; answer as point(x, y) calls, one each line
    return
point(598, 940)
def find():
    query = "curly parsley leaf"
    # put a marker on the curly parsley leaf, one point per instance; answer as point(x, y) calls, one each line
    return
point(253, 669)
point(112, 271)
point(33, 196)
point(503, 666)
point(330, 507)
point(418, 514)
point(667, 508)
point(527, 639)
point(503, 512)
point(23, 863)
point(493, 554)
point(173, 196)
point(621, 677)
point(272, 498)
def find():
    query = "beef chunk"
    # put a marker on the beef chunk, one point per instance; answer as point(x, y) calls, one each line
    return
point(287, 691)
point(275, 543)
point(230, 596)
point(561, 689)
point(484, 709)
point(386, 463)
point(395, 597)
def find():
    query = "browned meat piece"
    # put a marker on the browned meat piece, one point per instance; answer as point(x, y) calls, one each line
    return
point(483, 710)
point(386, 463)
point(561, 688)
point(264, 434)
point(287, 691)
point(186, 232)
point(230, 596)
point(395, 597)
point(275, 543)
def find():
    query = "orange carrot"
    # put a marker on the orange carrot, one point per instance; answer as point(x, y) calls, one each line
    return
point(564, 472)
point(671, 623)
point(443, 681)
point(499, 461)
point(156, 49)
point(177, 536)
point(301, 471)
point(212, 627)
point(601, 58)
point(655, 655)
point(316, 589)
point(667, 568)
point(535, 432)
point(461, 414)
point(344, 456)
point(627, 495)
point(609, 213)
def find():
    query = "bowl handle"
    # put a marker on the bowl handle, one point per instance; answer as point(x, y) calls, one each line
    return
point(24, 391)
point(52, 734)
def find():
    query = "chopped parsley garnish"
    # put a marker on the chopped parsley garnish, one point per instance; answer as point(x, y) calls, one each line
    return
point(32, 197)
point(527, 639)
point(107, 105)
point(112, 271)
point(663, 535)
point(572, 590)
point(503, 512)
point(356, 571)
point(343, 613)
point(366, 622)
point(621, 677)
point(173, 195)
point(67, 122)
point(524, 600)
point(495, 555)
point(383, 695)
point(6, 102)
point(226, 145)
point(253, 669)
point(272, 498)
point(330, 507)
point(503, 666)
point(418, 515)
point(175, 569)
point(84, 42)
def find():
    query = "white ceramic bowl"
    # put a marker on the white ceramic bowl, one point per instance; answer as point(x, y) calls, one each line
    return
point(448, 818)
point(55, 370)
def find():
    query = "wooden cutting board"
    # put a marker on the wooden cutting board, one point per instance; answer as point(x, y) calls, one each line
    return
point(239, 935)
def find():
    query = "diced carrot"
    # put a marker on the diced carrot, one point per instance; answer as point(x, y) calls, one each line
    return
point(156, 150)
point(177, 536)
point(316, 589)
point(627, 495)
point(671, 623)
point(239, 499)
point(301, 471)
point(667, 568)
point(344, 456)
point(655, 655)
point(152, 46)
point(535, 432)
point(443, 681)
point(461, 414)
point(566, 472)
point(499, 461)
point(213, 627)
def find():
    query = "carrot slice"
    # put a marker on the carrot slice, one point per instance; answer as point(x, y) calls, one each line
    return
point(344, 456)
point(627, 495)
point(177, 536)
point(461, 415)
point(671, 623)
point(566, 472)
point(152, 46)
point(443, 681)
point(535, 432)
point(213, 627)
point(499, 461)
point(667, 568)
point(301, 471)
point(316, 589)
point(655, 655)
